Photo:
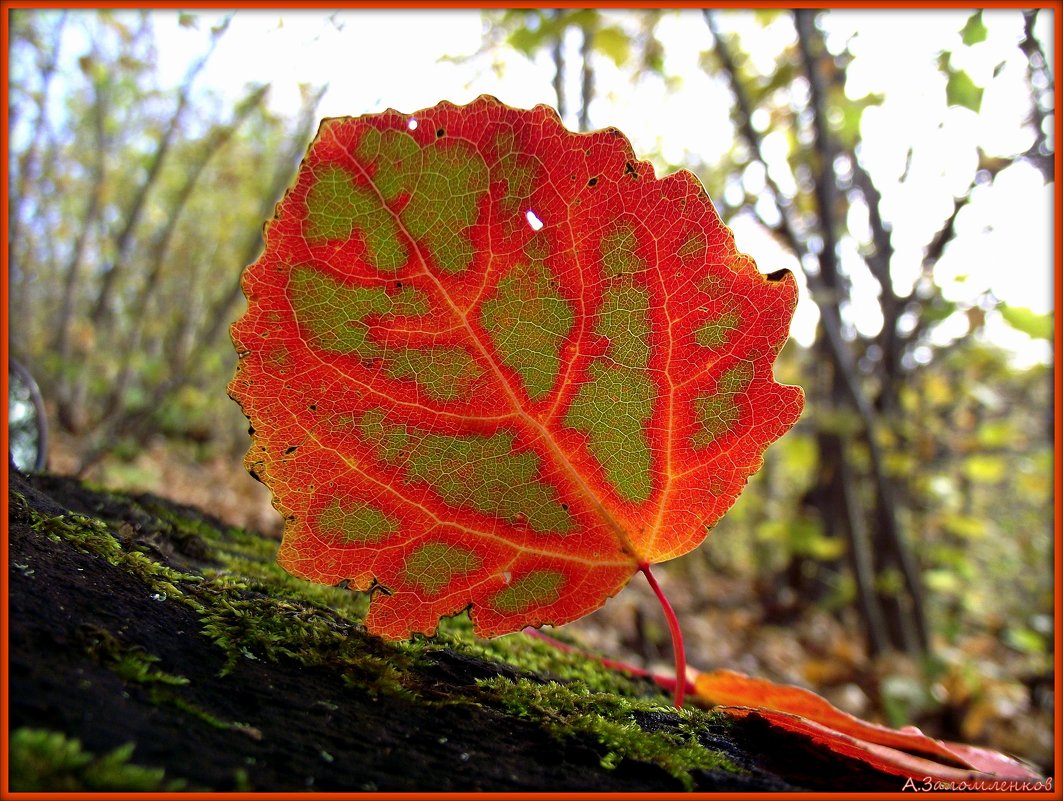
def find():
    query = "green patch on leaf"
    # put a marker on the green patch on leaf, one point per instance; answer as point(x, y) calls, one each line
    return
point(693, 245)
point(538, 588)
point(528, 321)
point(518, 173)
point(484, 473)
point(444, 372)
point(715, 332)
point(336, 208)
point(337, 318)
point(618, 252)
point(445, 181)
point(615, 405)
point(355, 525)
point(335, 315)
point(434, 565)
point(717, 413)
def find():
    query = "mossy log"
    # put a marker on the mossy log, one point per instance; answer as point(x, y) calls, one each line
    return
point(152, 647)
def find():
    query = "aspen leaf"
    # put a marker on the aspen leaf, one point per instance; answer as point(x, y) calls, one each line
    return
point(491, 363)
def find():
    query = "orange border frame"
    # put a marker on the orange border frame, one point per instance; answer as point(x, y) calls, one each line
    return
point(1055, 5)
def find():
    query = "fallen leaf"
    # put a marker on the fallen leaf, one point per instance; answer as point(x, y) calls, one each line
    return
point(905, 752)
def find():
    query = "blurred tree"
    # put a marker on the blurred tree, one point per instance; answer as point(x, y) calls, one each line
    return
point(845, 493)
point(134, 205)
point(584, 33)
point(859, 385)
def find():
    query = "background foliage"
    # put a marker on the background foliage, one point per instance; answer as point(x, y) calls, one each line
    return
point(897, 546)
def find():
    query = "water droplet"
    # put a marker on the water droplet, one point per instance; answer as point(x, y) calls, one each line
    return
point(158, 596)
point(464, 757)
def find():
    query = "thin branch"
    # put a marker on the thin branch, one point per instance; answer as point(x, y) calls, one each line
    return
point(101, 309)
point(160, 247)
point(70, 415)
point(136, 422)
point(1037, 63)
point(30, 158)
point(890, 529)
point(557, 53)
point(861, 560)
point(743, 117)
point(587, 78)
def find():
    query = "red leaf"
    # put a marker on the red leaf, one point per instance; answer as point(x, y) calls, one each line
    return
point(904, 752)
point(490, 362)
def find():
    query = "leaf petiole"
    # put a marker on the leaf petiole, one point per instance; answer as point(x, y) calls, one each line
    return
point(678, 650)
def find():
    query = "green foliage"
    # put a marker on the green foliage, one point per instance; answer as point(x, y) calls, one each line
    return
point(961, 90)
point(1036, 326)
point(43, 761)
point(974, 31)
point(984, 487)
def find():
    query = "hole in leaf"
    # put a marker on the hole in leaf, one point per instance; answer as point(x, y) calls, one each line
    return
point(592, 181)
point(533, 220)
point(411, 124)
point(291, 449)
point(778, 275)
point(439, 132)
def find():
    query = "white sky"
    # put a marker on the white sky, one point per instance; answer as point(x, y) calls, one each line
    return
point(375, 59)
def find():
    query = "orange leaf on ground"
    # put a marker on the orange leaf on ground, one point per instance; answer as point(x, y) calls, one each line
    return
point(905, 752)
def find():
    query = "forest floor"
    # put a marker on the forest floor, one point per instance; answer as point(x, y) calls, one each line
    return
point(976, 690)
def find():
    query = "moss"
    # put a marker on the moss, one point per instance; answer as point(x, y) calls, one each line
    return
point(612, 721)
point(91, 535)
point(130, 662)
point(136, 665)
point(202, 715)
point(251, 609)
point(48, 761)
point(530, 654)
